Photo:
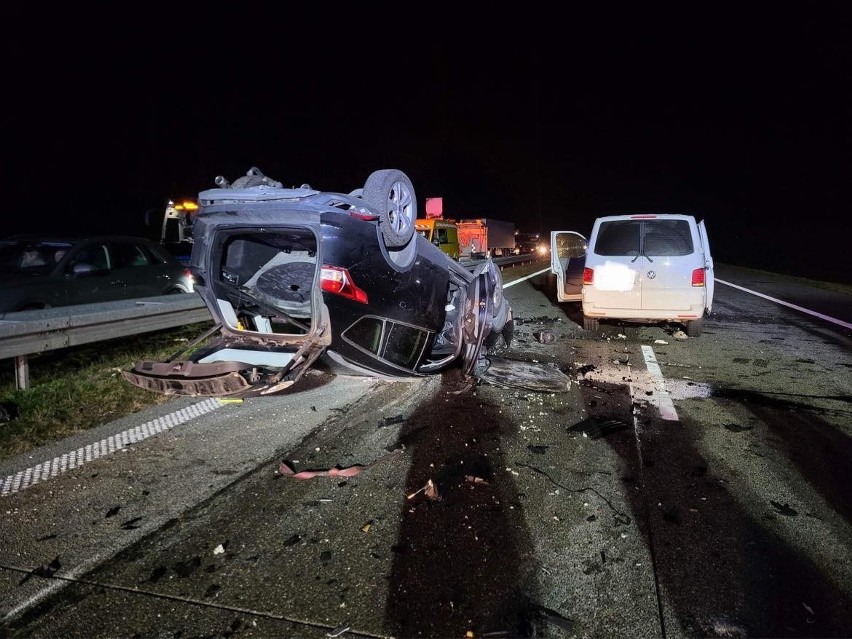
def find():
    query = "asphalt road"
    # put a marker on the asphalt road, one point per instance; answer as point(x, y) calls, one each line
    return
point(673, 488)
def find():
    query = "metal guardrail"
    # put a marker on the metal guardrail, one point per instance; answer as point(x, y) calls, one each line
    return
point(29, 332)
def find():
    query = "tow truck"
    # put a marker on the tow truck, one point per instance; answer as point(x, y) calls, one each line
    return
point(176, 234)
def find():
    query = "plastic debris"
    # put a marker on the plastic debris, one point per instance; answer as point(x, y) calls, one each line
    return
point(284, 468)
point(429, 489)
point(544, 337)
point(338, 631)
point(660, 341)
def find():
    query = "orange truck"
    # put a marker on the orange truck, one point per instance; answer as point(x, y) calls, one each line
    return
point(486, 237)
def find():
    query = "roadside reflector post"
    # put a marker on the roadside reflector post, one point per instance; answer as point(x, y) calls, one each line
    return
point(22, 372)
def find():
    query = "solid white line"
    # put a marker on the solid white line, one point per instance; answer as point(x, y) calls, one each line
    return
point(662, 398)
point(793, 306)
point(76, 458)
point(513, 282)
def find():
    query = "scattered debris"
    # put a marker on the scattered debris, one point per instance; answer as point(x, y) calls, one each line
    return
point(338, 631)
point(429, 489)
point(229, 400)
point(473, 479)
point(286, 469)
point(531, 376)
point(130, 524)
point(585, 368)
point(45, 570)
point(783, 509)
point(660, 341)
point(544, 337)
point(679, 334)
point(597, 427)
point(366, 527)
point(292, 540)
point(220, 549)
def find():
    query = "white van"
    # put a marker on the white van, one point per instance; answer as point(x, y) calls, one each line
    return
point(648, 268)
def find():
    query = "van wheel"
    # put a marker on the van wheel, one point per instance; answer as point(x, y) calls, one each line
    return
point(695, 327)
point(591, 324)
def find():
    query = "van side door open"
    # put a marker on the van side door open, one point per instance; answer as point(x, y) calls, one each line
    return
point(567, 259)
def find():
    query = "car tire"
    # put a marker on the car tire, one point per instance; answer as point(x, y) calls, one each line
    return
point(391, 193)
point(694, 328)
point(591, 324)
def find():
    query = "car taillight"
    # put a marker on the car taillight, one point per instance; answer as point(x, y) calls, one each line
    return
point(698, 277)
point(189, 275)
point(363, 215)
point(588, 276)
point(337, 280)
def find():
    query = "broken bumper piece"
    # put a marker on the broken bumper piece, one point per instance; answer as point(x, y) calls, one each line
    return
point(217, 379)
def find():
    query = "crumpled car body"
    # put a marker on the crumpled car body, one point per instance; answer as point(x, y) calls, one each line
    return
point(295, 275)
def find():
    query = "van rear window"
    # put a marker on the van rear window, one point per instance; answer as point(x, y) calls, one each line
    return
point(650, 237)
point(620, 237)
point(667, 237)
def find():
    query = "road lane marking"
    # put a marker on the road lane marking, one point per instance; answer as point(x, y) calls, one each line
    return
point(661, 399)
point(526, 277)
point(827, 318)
point(76, 458)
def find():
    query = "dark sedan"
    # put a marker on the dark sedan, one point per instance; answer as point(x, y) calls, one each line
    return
point(295, 274)
point(45, 271)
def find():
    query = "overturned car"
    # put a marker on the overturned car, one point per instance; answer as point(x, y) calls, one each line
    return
point(293, 276)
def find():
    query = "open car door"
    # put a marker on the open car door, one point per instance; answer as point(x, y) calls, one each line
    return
point(709, 277)
point(567, 260)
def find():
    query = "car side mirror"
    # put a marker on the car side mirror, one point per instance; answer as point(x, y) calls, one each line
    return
point(81, 268)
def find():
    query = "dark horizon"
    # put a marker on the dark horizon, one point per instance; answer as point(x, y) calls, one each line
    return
point(743, 123)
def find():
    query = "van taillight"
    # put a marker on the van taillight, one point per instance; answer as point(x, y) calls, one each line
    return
point(588, 276)
point(698, 277)
point(337, 280)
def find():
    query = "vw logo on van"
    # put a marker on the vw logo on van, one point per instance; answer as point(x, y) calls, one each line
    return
point(652, 274)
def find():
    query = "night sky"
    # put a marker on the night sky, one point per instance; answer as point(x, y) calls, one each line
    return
point(547, 120)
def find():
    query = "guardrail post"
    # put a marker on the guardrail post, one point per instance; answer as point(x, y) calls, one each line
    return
point(22, 372)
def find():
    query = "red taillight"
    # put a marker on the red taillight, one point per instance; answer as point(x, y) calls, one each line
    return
point(363, 215)
point(588, 276)
point(698, 277)
point(337, 280)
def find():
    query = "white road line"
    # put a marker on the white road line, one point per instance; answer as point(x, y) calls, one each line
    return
point(513, 282)
point(76, 458)
point(661, 398)
point(793, 306)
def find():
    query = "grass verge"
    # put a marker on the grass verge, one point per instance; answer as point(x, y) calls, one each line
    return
point(74, 389)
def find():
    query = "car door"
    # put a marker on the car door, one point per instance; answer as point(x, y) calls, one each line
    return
point(567, 259)
point(89, 277)
point(140, 273)
point(670, 252)
point(709, 273)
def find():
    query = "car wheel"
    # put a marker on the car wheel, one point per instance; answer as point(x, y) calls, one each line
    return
point(391, 193)
point(591, 324)
point(695, 327)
